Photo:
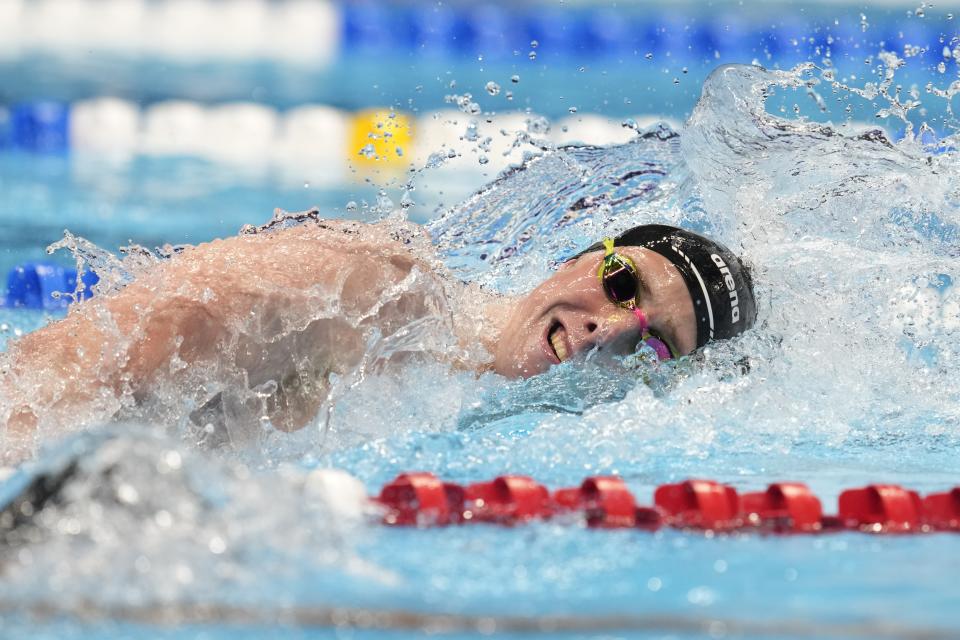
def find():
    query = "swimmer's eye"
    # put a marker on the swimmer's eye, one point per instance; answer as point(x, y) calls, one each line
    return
point(620, 279)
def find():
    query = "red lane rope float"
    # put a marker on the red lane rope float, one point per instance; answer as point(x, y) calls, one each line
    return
point(604, 502)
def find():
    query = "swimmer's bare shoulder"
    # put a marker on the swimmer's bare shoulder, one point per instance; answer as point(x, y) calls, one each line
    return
point(187, 309)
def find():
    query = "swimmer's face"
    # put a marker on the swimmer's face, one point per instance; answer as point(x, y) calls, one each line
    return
point(569, 315)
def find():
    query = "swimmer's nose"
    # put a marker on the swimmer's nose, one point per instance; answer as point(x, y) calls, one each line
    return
point(613, 334)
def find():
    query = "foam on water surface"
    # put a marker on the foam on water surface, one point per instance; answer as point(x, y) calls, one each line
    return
point(851, 376)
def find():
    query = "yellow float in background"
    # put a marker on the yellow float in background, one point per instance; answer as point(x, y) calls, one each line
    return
point(380, 139)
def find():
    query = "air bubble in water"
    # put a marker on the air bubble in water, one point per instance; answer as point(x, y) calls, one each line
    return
point(493, 88)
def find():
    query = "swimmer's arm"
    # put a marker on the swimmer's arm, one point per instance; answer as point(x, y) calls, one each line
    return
point(180, 315)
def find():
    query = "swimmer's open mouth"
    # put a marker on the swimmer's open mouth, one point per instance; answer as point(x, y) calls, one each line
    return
point(557, 339)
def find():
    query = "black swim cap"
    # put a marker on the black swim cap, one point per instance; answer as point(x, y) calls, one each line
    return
point(718, 281)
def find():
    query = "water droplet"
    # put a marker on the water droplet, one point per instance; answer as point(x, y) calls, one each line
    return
point(515, 79)
point(703, 596)
point(649, 56)
point(538, 126)
point(508, 95)
point(217, 545)
point(406, 200)
point(534, 44)
point(630, 123)
point(399, 152)
point(676, 81)
point(572, 109)
point(480, 58)
point(306, 185)
point(384, 203)
point(493, 88)
point(471, 133)
point(684, 70)
point(368, 151)
point(582, 69)
point(532, 55)
point(351, 206)
point(483, 159)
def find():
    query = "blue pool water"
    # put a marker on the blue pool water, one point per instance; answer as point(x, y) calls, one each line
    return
point(853, 378)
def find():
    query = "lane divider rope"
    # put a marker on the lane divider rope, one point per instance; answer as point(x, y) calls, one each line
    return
point(421, 499)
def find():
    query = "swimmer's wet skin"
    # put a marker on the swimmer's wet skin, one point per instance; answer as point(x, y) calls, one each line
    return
point(665, 287)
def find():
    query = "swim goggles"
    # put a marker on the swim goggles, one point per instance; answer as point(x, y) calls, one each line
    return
point(620, 280)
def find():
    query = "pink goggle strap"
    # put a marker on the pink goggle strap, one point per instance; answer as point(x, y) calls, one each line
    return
point(658, 345)
point(641, 318)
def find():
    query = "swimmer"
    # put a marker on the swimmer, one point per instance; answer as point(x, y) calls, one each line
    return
point(286, 311)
